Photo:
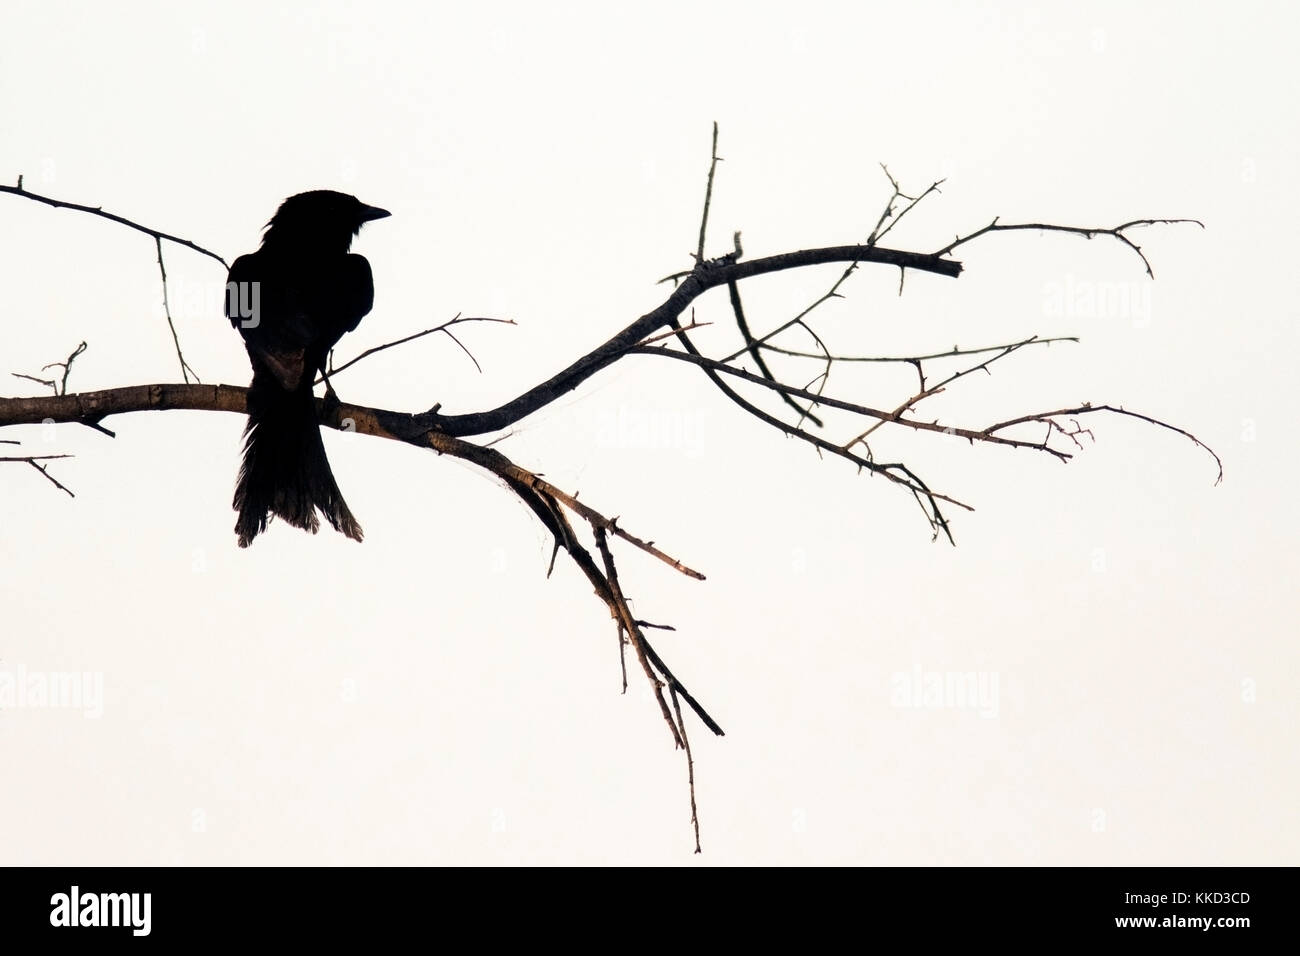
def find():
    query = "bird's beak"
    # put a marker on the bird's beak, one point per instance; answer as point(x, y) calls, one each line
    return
point(371, 213)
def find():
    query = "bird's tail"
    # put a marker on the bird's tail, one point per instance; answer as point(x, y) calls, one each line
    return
point(285, 471)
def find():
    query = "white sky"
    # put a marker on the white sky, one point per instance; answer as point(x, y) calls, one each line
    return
point(428, 697)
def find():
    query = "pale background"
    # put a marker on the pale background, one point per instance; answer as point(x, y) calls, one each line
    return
point(428, 697)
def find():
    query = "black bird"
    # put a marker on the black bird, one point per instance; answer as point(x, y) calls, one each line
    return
point(292, 300)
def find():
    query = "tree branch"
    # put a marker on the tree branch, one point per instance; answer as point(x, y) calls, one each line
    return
point(705, 276)
point(1087, 232)
point(445, 328)
point(112, 217)
point(558, 510)
point(33, 460)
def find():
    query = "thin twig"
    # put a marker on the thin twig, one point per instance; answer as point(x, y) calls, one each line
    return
point(928, 500)
point(158, 237)
point(167, 309)
point(832, 293)
point(877, 233)
point(913, 359)
point(634, 634)
point(927, 392)
point(690, 765)
point(891, 417)
point(411, 338)
point(755, 352)
point(597, 520)
point(33, 459)
point(622, 656)
point(39, 381)
point(60, 387)
point(1115, 410)
point(120, 220)
point(708, 195)
point(1087, 232)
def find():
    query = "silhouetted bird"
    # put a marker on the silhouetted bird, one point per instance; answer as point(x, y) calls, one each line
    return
point(292, 300)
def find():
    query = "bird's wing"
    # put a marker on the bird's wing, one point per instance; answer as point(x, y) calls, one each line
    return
point(260, 303)
point(243, 291)
point(358, 286)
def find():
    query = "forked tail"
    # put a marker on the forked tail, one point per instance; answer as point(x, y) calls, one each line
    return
point(285, 472)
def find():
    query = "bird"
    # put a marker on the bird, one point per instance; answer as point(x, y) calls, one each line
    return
point(291, 301)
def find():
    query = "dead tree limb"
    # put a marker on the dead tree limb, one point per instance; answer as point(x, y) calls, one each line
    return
point(663, 333)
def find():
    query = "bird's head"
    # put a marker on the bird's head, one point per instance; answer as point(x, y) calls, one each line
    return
point(320, 220)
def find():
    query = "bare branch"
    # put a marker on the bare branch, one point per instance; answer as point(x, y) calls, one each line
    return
point(877, 233)
point(705, 276)
point(61, 386)
point(39, 381)
point(1047, 418)
point(600, 522)
point(893, 417)
point(913, 359)
point(559, 511)
point(905, 477)
point(756, 353)
point(158, 237)
point(444, 328)
point(832, 293)
point(1087, 232)
point(927, 391)
point(708, 194)
point(635, 637)
point(537, 495)
point(186, 371)
point(541, 496)
point(33, 460)
point(120, 220)
point(690, 765)
point(911, 481)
